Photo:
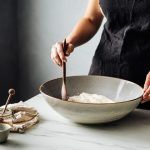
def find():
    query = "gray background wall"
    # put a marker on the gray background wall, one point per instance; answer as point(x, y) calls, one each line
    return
point(41, 23)
point(8, 47)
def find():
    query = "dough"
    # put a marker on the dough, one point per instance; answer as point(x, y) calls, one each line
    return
point(90, 98)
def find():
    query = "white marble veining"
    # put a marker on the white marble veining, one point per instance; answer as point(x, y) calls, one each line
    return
point(57, 133)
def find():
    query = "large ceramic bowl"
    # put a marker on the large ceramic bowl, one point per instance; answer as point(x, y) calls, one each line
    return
point(127, 96)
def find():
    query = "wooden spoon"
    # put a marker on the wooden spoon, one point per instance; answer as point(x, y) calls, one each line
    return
point(11, 92)
point(64, 89)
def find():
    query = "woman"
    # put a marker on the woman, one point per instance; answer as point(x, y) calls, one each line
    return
point(124, 48)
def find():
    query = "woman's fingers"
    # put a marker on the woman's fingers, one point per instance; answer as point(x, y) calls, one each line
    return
point(55, 57)
point(147, 82)
point(57, 53)
point(146, 95)
point(60, 51)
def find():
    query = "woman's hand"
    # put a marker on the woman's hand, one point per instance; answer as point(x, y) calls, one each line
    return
point(146, 95)
point(57, 53)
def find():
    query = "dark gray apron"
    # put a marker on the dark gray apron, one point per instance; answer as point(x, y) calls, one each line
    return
point(124, 48)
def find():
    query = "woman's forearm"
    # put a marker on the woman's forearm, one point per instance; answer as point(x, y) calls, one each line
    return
point(84, 30)
point(88, 25)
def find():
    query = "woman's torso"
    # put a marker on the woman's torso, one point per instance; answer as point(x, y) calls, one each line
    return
point(124, 49)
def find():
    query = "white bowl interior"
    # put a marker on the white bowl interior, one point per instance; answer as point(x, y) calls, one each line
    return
point(116, 89)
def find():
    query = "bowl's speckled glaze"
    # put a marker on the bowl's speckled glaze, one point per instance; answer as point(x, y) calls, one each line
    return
point(126, 94)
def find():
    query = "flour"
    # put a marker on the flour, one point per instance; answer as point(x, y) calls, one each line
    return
point(90, 98)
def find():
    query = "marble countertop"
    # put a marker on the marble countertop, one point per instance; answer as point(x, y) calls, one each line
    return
point(57, 133)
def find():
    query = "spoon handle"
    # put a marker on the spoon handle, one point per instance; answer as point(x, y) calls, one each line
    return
point(64, 89)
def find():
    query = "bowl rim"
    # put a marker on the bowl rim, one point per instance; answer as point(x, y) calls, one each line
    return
point(63, 101)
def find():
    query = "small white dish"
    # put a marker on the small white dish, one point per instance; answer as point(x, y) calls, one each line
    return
point(4, 132)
